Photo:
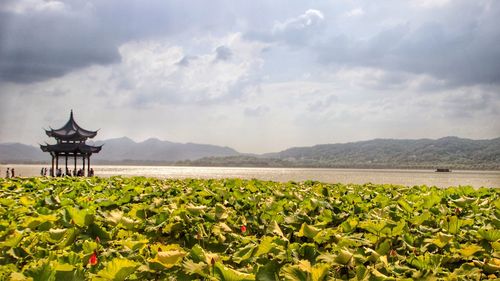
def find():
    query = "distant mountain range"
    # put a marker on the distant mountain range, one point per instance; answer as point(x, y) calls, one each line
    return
point(448, 152)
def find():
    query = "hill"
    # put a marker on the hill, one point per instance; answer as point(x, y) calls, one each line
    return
point(123, 151)
point(449, 152)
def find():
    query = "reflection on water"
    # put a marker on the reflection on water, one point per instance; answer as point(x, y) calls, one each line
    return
point(359, 176)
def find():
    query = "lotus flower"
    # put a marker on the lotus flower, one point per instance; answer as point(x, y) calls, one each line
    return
point(93, 258)
point(243, 229)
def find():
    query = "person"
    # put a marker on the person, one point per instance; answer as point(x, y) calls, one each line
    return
point(12, 173)
point(91, 172)
point(7, 173)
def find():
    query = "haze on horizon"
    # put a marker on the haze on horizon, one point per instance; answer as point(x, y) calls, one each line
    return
point(257, 76)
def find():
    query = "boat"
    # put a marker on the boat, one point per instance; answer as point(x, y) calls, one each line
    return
point(443, 170)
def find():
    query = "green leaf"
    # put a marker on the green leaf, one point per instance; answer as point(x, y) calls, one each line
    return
point(441, 240)
point(349, 225)
point(56, 234)
point(374, 227)
point(13, 240)
point(470, 250)
point(294, 273)
point(384, 247)
point(491, 235)
point(244, 254)
point(453, 225)
point(67, 272)
point(228, 274)
point(265, 246)
point(275, 229)
point(220, 212)
point(81, 218)
point(169, 256)
point(319, 271)
point(117, 270)
point(268, 272)
point(191, 268)
point(69, 237)
point(43, 272)
point(405, 206)
point(343, 257)
point(308, 231)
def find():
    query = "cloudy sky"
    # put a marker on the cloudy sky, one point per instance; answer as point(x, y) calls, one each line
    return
point(258, 75)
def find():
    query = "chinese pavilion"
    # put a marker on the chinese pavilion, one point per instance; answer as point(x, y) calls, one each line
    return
point(70, 143)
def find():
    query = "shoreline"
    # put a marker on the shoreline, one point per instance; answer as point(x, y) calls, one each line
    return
point(403, 177)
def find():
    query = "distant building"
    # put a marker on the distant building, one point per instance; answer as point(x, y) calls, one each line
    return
point(70, 143)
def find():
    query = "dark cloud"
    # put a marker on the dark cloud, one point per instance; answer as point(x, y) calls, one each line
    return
point(462, 53)
point(186, 60)
point(36, 45)
point(223, 53)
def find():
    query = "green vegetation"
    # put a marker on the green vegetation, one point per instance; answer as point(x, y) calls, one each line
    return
point(151, 229)
point(449, 152)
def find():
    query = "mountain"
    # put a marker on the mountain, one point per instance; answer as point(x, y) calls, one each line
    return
point(448, 152)
point(123, 150)
point(155, 150)
point(21, 153)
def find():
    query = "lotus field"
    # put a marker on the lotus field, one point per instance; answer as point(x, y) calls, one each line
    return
point(153, 229)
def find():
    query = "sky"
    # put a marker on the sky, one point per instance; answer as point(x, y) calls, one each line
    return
point(258, 76)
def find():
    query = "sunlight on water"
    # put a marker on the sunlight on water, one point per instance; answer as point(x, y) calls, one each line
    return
point(359, 176)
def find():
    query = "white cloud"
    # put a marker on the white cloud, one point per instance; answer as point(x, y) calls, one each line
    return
point(309, 19)
point(151, 69)
point(298, 30)
point(430, 3)
point(357, 12)
point(27, 6)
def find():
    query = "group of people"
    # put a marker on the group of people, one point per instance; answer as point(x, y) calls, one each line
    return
point(74, 173)
point(10, 173)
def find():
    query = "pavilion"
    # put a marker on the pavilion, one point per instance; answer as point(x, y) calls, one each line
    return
point(70, 143)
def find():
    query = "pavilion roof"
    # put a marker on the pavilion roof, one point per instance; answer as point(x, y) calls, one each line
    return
point(71, 131)
point(79, 148)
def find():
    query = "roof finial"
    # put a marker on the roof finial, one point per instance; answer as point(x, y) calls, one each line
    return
point(71, 114)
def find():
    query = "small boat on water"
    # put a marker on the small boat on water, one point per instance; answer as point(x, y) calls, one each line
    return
point(443, 170)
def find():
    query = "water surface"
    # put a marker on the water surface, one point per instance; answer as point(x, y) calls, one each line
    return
point(359, 176)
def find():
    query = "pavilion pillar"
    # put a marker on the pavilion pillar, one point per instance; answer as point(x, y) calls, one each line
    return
point(57, 161)
point(88, 165)
point(52, 166)
point(66, 171)
point(74, 171)
point(83, 170)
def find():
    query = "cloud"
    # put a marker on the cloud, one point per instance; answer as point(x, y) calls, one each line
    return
point(41, 40)
point(256, 111)
point(296, 30)
point(460, 53)
point(310, 19)
point(355, 12)
point(260, 75)
point(160, 72)
point(223, 53)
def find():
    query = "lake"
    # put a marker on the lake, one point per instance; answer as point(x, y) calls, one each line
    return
point(359, 176)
